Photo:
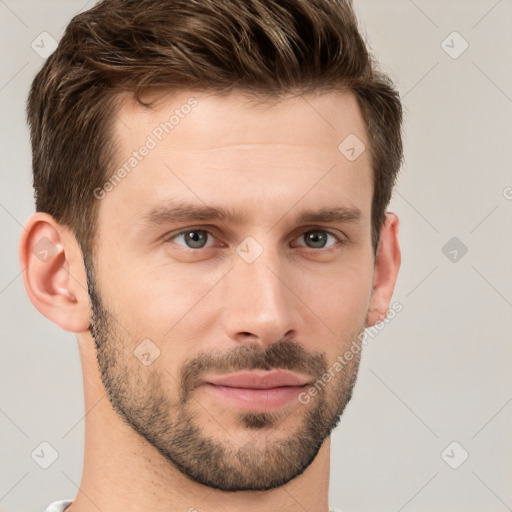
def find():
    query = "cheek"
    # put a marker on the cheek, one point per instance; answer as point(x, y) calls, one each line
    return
point(341, 298)
point(150, 319)
point(166, 305)
point(159, 298)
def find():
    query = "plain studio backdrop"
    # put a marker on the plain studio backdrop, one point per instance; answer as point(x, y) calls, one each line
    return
point(429, 425)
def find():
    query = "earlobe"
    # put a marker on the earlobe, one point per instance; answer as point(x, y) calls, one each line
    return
point(387, 264)
point(52, 272)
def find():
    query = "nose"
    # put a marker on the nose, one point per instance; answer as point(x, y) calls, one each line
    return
point(262, 307)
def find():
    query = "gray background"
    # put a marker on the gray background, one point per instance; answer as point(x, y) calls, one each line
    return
point(438, 372)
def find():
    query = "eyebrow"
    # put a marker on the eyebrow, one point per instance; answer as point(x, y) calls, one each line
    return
point(185, 212)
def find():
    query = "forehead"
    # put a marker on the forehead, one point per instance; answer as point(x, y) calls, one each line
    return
point(233, 149)
point(191, 120)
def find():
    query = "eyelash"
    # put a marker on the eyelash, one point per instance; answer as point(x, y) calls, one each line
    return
point(170, 237)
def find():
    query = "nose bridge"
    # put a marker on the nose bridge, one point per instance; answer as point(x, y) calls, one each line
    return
point(261, 302)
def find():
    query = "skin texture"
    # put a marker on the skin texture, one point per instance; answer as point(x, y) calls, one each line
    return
point(156, 439)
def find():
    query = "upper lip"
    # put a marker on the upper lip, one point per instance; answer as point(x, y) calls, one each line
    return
point(259, 379)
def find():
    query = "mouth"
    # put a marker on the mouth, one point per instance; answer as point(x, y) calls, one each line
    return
point(257, 390)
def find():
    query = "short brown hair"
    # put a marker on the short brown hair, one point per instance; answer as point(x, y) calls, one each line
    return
point(260, 47)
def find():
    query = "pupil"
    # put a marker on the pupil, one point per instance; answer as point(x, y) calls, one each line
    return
point(314, 236)
point(197, 238)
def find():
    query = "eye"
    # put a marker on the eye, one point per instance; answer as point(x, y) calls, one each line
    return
point(197, 238)
point(317, 238)
point(193, 238)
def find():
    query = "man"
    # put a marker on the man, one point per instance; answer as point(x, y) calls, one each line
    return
point(211, 183)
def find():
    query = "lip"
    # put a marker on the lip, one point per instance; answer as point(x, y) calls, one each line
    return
point(259, 379)
point(256, 390)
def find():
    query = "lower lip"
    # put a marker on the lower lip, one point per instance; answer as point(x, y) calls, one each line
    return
point(257, 399)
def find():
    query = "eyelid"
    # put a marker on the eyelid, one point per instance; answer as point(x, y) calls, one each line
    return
point(303, 229)
point(339, 239)
point(168, 237)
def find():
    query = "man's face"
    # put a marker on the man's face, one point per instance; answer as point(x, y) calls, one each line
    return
point(179, 302)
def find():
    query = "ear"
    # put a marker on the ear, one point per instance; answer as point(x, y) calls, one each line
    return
point(387, 264)
point(54, 273)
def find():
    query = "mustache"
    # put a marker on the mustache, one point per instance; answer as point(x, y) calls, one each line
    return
point(282, 355)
